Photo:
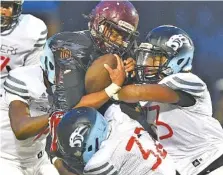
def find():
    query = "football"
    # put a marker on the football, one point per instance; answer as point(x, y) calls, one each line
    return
point(97, 78)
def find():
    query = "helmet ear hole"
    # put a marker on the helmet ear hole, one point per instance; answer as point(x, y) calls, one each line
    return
point(51, 65)
point(97, 144)
point(45, 62)
point(180, 61)
point(90, 148)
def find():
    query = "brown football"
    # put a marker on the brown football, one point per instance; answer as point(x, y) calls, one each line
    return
point(97, 77)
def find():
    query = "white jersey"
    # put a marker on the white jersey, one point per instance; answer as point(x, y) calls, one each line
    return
point(129, 150)
point(22, 45)
point(24, 84)
point(190, 135)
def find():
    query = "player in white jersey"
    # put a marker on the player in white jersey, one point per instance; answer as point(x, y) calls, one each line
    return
point(91, 144)
point(24, 121)
point(177, 101)
point(22, 37)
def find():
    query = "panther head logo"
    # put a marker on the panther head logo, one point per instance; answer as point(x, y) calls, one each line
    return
point(177, 41)
point(77, 137)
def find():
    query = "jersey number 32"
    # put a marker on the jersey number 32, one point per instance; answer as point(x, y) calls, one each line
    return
point(159, 154)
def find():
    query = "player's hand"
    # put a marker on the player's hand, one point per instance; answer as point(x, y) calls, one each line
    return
point(54, 120)
point(118, 74)
point(130, 64)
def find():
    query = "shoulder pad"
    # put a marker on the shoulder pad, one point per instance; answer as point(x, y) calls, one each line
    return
point(71, 48)
point(36, 29)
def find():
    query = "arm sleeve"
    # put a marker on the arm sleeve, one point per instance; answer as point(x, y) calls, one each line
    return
point(186, 82)
point(15, 89)
point(25, 82)
point(11, 97)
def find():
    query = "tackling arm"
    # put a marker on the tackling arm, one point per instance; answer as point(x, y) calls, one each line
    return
point(148, 92)
point(182, 89)
point(22, 124)
point(95, 100)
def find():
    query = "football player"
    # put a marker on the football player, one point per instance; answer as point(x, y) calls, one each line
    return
point(112, 29)
point(22, 37)
point(24, 121)
point(90, 143)
point(177, 100)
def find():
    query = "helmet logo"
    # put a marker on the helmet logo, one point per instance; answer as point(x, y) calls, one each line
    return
point(126, 25)
point(146, 46)
point(77, 137)
point(177, 41)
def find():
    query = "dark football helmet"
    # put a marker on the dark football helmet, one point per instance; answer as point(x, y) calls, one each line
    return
point(80, 134)
point(167, 50)
point(8, 21)
point(113, 26)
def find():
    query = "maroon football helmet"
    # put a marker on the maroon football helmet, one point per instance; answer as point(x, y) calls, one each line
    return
point(113, 26)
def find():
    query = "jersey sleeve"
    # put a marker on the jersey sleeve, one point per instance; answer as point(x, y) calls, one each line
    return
point(24, 83)
point(186, 82)
point(16, 89)
point(39, 36)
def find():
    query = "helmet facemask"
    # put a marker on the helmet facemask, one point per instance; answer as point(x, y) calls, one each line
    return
point(73, 155)
point(151, 65)
point(114, 38)
point(7, 21)
point(74, 162)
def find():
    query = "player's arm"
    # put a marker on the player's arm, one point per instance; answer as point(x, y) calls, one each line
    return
point(97, 99)
point(18, 91)
point(22, 124)
point(182, 92)
point(148, 92)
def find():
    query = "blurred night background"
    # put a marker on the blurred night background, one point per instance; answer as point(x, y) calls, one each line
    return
point(201, 20)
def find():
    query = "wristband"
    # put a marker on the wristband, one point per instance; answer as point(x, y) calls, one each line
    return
point(115, 97)
point(54, 159)
point(112, 89)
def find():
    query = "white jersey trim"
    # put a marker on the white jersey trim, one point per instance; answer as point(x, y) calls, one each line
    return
point(104, 169)
point(17, 87)
point(185, 83)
